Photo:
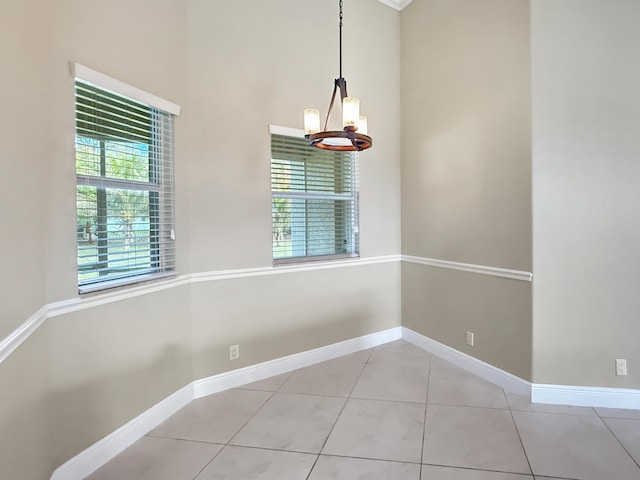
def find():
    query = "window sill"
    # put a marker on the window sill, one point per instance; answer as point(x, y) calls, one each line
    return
point(322, 258)
point(111, 285)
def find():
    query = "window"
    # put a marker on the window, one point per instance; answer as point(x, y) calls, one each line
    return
point(124, 172)
point(314, 201)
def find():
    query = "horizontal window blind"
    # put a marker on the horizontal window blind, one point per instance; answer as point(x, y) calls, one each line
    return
point(125, 184)
point(314, 201)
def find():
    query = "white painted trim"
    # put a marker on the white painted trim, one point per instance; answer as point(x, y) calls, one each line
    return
point(585, 396)
point(116, 86)
point(484, 370)
point(89, 460)
point(396, 4)
point(472, 268)
point(254, 373)
point(64, 307)
point(104, 450)
point(290, 268)
point(286, 131)
point(9, 344)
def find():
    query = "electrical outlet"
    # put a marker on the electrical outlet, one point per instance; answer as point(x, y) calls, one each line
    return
point(470, 339)
point(234, 352)
point(621, 366)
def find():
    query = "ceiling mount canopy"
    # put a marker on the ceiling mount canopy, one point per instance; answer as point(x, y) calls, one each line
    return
point(353, 137)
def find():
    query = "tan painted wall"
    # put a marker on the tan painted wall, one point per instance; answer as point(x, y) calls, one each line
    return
point(444, 304)
point(23, 162)
point(466, 160)
point(235, 67)
point(285, 314)
point(586, 106)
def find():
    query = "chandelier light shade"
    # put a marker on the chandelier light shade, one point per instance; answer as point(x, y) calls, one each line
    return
point(354, 135)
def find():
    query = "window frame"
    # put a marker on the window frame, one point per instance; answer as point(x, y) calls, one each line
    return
point(160, 183)
point(353, 197)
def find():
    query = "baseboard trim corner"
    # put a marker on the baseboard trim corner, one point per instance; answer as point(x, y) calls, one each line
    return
point(260, 371)
point(89, 460)
point(586, 396)
point(504, 379)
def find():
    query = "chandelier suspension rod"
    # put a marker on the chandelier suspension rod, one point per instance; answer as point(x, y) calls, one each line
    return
point(339, 83)
point(340, 38)
point(348, 139)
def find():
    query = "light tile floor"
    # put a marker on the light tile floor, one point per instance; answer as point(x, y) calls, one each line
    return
point(390, 413)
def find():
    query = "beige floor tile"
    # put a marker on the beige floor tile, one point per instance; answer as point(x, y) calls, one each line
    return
point(329, 378)
point(158, 459)
point(449, 385)
point(627, 431)
point(271, 384)
point(448, 473)
point(481, 438)
point(573, 446)
point(383, 424)
point(342, 468)
point(293, 422)
point(215, 418)
point(382, 381)
point(523, 403)
point(240, 463)
point(550, 478)
point(379, 430)
point(618, 413)
point(400, 353)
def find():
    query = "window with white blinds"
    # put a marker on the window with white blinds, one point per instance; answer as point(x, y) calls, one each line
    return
point(314, 201)
point(125, 188)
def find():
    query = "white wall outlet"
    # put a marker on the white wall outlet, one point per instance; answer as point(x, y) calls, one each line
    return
point(470, 339)
point(234, 352)
point(621, 366)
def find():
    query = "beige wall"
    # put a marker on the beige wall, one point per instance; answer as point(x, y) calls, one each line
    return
point(466, 173)
point(586, 146)
point(252, 67)
point(22, 162)
point(285, 314)
point(234, 67)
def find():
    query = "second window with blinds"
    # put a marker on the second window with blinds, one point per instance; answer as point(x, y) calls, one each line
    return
point(314, 202)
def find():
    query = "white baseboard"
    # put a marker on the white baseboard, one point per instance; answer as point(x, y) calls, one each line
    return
point(254, 373)
point(104, 450)
point(89, 460)
point(585, 396)
point(484, 370)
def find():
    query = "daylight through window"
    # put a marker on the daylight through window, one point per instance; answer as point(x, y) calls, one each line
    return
point(124, 171)
point(314, 201)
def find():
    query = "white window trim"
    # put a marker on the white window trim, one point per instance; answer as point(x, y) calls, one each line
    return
point(286, 131)
point(101, 80)
point(105, 82)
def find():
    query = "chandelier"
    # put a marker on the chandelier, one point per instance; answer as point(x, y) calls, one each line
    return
point(353, 137)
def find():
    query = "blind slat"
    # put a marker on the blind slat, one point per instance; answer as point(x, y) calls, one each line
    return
point(125, 206)
point(314, 201)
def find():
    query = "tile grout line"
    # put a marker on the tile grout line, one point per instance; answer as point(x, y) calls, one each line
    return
point(515, 425)
point(424, 421)
point(209, 462)
point(616, 437)
point(229, 441)
point(250, 418)
point(475, 469)
point(364, 365)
